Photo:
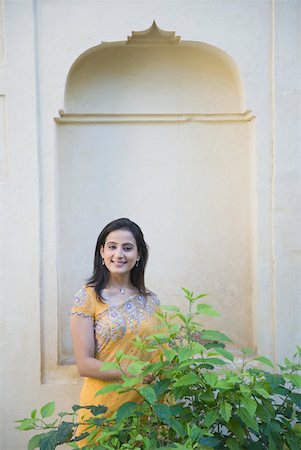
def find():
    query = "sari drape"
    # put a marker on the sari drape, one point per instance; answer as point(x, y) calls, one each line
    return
point(115, 328)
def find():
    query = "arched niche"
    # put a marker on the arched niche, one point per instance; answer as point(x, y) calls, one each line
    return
point(154, 71)
point(155, 129)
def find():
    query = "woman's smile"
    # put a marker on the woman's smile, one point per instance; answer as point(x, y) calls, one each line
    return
point(120, 251)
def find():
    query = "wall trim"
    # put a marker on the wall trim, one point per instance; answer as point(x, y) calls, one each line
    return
point(143, 118)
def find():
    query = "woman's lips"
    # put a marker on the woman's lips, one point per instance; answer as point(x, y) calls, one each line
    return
point(118, 263)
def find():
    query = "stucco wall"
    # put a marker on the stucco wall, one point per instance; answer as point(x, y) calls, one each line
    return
point(40, 40)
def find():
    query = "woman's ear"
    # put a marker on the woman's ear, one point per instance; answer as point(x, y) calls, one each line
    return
point(101, 251)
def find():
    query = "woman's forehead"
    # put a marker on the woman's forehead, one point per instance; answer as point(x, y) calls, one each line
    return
point(121, 236)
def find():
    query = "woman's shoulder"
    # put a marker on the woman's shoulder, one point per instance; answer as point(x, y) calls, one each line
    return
point(152, 296)
point(85, 297)
point(85, 292)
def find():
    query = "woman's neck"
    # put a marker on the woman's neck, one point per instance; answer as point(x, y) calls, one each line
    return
point(119, 282)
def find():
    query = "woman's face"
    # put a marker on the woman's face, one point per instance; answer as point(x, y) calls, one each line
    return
point(120, 252)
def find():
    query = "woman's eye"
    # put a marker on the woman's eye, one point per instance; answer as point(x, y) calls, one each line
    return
point(128, 249)
point(112, 247)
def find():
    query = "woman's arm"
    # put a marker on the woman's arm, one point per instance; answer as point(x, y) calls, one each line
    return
point(84, 347)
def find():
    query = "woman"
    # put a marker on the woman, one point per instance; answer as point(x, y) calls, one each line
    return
point(110, 311)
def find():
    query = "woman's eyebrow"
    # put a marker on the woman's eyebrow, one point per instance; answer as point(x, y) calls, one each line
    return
point(124, 243)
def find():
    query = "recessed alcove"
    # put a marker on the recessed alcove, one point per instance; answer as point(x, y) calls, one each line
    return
point(160, 74)
point(155, 129)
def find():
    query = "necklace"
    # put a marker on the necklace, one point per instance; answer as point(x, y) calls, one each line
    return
point(122, 291)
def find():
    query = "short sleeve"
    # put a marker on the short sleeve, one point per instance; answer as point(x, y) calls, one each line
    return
point(83, 304)
point(154, 299)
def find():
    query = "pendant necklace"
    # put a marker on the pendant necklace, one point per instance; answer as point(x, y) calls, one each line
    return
point(122, 291)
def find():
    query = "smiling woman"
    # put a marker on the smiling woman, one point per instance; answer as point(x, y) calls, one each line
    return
point(111, 310)
point(120, 255)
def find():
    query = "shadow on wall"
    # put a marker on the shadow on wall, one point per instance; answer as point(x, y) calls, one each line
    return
point(155, 129)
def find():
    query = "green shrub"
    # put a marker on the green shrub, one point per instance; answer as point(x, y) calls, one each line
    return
point(200, 399)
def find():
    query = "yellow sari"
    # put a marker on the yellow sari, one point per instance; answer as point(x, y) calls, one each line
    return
point(114, 329)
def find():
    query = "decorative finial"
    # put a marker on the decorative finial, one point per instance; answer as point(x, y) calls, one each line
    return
point(154, 36)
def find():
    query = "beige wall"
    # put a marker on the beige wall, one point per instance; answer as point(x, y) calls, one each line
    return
point(257, 161)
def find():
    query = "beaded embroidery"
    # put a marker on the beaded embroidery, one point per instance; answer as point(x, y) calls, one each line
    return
point(80, 297)
point(113, 323)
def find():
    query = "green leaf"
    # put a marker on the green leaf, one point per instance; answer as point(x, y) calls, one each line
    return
point(48, 409)
point(159, 337)
point(207, 397)
point(214, 361)
point(250, 405)
point(33, 414)
point(297, 428)
point(187, 380)
point(211, 442)
point(245, 390)
point(232, 444)
point(174, 445)
point(262, 392)
point(34, 442)
point(235, 427)
point(288, 362)
point(184, 353)
point(263, 414)
point(207, 310)
point(247, 419)
point(200, 296)
point(98, 409)
point(210, 378)
point(187, 292)
point(196, 433)
point(225, 353)
point(177, 426)
point(98, 421)
point(129, 382)
point(296, 399)
point(183, 318)
point(109, 365)
point(272, 444)
point(233, 378)
point(131, 358)
point(246, 351)
point(125, 410)
point(213, 335)
point(293, 442)
point(170, 308)
point(163, 412)
point(197, 348)
point(274, 380)
point(76, 407)
point(161, 386)
point(26, 424)
point(225, 411)
point(64, 432)
point(64, 413)
point(136, 367)
point(119, 355)
point(169, 354)
point(148, 393)
point(224, 385)
point(109, 388)
point(49, 441)
point(295, 379)
point(210, 418)
point(264, 360)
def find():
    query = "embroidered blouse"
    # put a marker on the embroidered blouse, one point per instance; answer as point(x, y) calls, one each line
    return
point(112, 324)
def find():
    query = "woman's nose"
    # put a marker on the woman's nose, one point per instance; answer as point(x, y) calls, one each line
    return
point(119, 252)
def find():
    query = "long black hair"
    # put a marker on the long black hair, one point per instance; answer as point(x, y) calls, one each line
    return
point(100, 275)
